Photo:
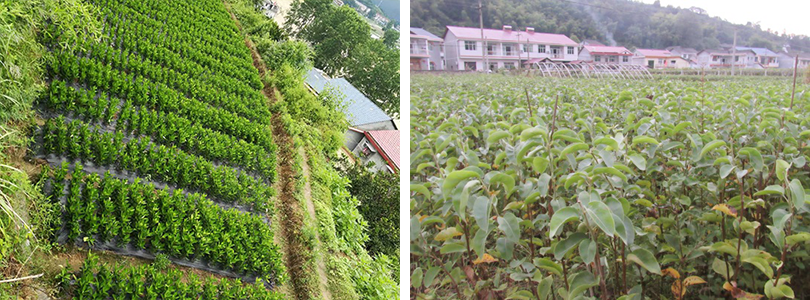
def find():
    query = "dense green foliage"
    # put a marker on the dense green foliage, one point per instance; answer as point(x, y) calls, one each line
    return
point(629, 23)
point(95, 280)
point(167, 96)
point(617, 190)
point(105, 209)
point(344, 47)
point(378, 193)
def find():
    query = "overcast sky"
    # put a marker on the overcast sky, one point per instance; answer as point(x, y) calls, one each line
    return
point(792, 16)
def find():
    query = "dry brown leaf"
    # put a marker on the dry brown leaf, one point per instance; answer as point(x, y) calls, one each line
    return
point(693, 280)
point(726, 209)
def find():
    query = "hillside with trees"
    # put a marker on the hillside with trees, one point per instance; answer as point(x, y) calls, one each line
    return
point(623, 22)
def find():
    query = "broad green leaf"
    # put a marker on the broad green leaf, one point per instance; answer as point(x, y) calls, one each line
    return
point(645, 259)
point(574, 148)
point(711, 146)
point(600, 214)
point(611, 171)
point(581, 282)
point(781, 169)
point(416, 277)
point(454, 178)
point(496, 136)
point(507, 181)
point(720, 268)
point(547, 264)
point(431, 219)
point(542, 184)
point(509, 225)
point(453, 248)
point(480, 213)
point(529, 133)
point(544, 287)
point(430, 275)
point(465, 197)
point(607, 141)
point(561, 217)
point(587, 250)
point(761, 264)
point(420, 189)
point(754, 156)
point(479, 242)
point(416, 227)
point(639, 161)
point(800, 237)
point(643, 139)
point(771, 190)
point(725, 170)
point(564, 246)
point(778, 291)
point(797, 193)
point(539, 164)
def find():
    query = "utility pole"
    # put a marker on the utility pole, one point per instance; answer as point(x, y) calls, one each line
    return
point(520, 49)
point(483, 42)
point(734, 53)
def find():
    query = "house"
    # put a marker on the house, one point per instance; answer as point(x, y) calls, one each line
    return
point(338, 2)
point(689, 54)
point(379, 18)
point(361, 112)
point(660, 59)
point(503, 48)
point(380, 147)
point(763, 57)
point(788, 59)
point(427, 50)
point(723, 58)
point(606, 55)
point(362, 9)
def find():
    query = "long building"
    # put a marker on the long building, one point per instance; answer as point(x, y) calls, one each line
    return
point(503, 48)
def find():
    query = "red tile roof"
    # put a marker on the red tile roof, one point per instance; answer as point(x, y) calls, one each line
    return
point(388, 142)
point(655, 53)
point(608, 50)
point(471, 33)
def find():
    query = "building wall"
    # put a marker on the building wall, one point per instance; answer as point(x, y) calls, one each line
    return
point(786, 61)
point(436, 50)
point(373, 157)
point(456, 53)
point(352, 138)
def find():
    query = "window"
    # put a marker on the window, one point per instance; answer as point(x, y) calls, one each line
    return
point(430, 47)
point(509, 65)
point(625, 58)
point(612, 58)
point(469, 65)
point(541, 48)
point(507, 49)
point(660, 61)
point(469, 45)
point(570, 50)
point(736, 58)
point(597, 58)
point(493, 66)
point(714, 58)
point(432, 66)
point(672, 62)
point(526, 48)
point(490, 50)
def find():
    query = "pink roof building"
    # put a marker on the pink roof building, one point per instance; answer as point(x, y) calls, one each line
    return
point(503, 48)
point(606, 54)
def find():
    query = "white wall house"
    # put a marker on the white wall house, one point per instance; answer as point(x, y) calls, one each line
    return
point(716, 59)
point(787, 60)
point(764, 57)
point(606, 55)
point(427, 50)
point(503, 48)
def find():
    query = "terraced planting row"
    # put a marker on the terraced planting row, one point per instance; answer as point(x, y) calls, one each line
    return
point(160, 143)
point(582, 189)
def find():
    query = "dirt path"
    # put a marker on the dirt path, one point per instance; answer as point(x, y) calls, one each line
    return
point(311, 209)
point(290, 218)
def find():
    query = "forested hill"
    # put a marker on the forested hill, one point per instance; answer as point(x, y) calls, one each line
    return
point(628, 23)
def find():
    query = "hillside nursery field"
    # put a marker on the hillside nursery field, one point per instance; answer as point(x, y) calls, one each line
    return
point(148, 151)
point(537, 188)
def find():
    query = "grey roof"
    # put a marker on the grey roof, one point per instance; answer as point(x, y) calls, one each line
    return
point(422, 32)
point(360, 110)
point(758, 51)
